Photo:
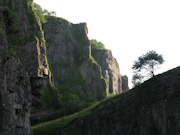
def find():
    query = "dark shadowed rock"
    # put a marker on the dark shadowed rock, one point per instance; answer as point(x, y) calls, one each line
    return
point(22, 57)
point(15, 98)
point(125, 85)
point(152, 108)
point(15, 90)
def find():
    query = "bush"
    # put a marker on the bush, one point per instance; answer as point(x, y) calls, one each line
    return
point(95, 45)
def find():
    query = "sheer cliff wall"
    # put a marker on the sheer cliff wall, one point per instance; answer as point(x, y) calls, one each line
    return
point(110, 69)
point(68, 52)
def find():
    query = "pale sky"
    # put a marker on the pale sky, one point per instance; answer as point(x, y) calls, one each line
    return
point(129, 28)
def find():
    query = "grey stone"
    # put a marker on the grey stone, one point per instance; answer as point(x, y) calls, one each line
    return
point(110, 69)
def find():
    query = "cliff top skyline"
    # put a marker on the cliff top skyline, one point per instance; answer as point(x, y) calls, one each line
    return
point(128, 28)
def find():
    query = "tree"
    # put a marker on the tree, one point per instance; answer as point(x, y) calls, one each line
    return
point(68, 100)
point(42, 13)
point(147, 63)
point(39, 11)
point(97, 45)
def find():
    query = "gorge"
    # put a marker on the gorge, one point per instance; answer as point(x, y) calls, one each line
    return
point(42, 62)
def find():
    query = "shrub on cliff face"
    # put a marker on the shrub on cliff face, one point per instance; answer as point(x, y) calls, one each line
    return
point(39, 11)
point(42, 13)
point(51, 96)
point(69, 102)
point(95, 45)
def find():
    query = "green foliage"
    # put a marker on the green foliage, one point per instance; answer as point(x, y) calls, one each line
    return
point(93, 60)
point(69, 101)
point(95, 45)
point(55, 126)
point(39, 11)
point(30, 13)
point(41, 119)
point(146, 62)
point(12, 23)
point(73, 82)
point(52, 96)
point(43, 13)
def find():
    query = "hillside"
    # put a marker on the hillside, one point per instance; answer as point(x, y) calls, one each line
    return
point(151, 108)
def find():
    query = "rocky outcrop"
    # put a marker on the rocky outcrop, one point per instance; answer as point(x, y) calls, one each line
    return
point(110, 70)
point(125, 85)
point(68, 52)
point(26, 42)
point(15, 88)
point(23, 67)
point(151, 108)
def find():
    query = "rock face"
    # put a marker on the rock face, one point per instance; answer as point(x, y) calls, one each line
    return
point(23, 66)
point(15, 98)
point(15, 89)
point(125, 85)
point(149, 109)
point(110, 69)
point(25, 42)
point(68, 52)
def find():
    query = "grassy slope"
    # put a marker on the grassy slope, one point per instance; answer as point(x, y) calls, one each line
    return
point(52, 127)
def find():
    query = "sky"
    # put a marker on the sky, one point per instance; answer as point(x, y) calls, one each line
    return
point(129, 28)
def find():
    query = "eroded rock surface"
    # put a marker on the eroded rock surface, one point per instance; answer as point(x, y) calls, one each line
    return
point(68, 52)
point(110, 70)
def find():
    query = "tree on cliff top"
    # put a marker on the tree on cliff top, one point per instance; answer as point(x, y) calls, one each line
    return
point(42, 13)
point(147, 62)
point(95, 45)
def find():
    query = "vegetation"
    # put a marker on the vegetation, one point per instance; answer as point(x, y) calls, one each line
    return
point(53, 127)
point(42, 13)
point(147, 62)
point(52, 96)
point(68, 100)
point(12, 23)
point(95, 45)
point(93, 60)
point(80, 36)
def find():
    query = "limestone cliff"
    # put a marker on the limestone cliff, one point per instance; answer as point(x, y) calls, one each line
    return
point(125, 85)
point(15, 88)
point(110, 70)
point(23, 66)
point(149, 109)
point(26, 42)
point(68, 52)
